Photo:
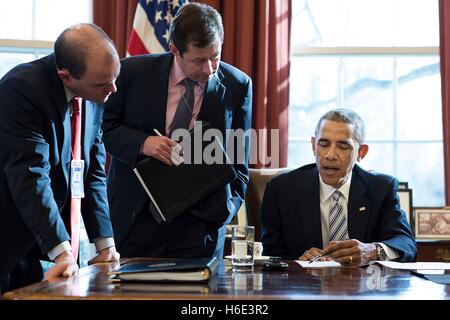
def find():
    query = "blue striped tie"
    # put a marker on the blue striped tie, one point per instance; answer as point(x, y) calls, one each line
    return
point(337, 220)
point(183, 114)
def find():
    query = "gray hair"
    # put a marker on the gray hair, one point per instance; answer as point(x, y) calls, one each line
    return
point(346, 116)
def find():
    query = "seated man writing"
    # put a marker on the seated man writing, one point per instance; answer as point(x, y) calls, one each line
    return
point(334, 206)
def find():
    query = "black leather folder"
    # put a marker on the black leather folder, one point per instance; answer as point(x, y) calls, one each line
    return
point(174, 189)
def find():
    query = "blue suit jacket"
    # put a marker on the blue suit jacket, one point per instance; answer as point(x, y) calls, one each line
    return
point(35, 157)
point(290, 213)
point(139, 106)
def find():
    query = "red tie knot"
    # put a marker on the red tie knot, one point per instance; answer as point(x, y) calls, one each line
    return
point(76, 104)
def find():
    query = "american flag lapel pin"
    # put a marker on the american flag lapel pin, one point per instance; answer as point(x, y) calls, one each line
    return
point(362, 209)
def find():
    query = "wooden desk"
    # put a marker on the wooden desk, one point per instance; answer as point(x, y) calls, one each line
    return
point(373, 282)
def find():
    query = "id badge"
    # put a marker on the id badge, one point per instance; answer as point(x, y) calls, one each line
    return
point(76, 178)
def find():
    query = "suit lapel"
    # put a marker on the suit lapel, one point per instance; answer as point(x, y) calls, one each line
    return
point(212, 108)
point(359, 205)
point(59, 99)
point(155, 96)
point(309, 201)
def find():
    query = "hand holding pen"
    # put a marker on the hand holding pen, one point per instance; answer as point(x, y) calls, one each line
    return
point(175, 156)
point(317, 258)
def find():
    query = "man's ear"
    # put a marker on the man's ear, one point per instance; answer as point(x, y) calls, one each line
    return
point(362, 151)
point(64, 75)
point(173, 49)
point(313, 145)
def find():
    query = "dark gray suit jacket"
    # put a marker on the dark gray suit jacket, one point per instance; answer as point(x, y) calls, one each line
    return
point(290, 213)
point(139, 106)
point(35, 161)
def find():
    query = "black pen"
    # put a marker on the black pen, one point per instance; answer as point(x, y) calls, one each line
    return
point(318, 257)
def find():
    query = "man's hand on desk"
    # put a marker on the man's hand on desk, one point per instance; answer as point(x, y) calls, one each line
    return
point(312, 253)
point(351, 252)
point(106, 255)
point(65, 265)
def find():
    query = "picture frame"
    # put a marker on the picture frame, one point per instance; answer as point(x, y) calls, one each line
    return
point(403, 185)
point(406, 204)
point(432, 223)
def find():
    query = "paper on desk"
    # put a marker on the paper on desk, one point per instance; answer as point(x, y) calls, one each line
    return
point(319, 264)
point(416, 265)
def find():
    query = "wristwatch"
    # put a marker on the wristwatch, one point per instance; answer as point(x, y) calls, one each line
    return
point(381, 254)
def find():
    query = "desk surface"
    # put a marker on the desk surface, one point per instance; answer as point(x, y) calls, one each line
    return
point(373, 282)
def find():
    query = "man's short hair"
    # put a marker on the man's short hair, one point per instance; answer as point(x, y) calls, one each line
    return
point(72, 55)
point(346, 116)
point(197, 23)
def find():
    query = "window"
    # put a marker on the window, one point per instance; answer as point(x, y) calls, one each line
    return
point(28, 29)
point(374, 57)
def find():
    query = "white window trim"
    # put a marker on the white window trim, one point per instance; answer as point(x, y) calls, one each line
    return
point(305, 51)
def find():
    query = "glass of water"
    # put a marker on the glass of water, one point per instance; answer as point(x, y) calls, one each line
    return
point(242, 239)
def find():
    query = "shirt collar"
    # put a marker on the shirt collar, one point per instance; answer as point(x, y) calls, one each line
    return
point(326, 190)
point(69, 94)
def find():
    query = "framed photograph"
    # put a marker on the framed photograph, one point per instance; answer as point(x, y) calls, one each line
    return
point(432, 223)
point(403, 185)
point(405, 196)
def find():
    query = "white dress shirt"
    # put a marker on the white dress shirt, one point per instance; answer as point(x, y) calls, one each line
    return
point(325, 202)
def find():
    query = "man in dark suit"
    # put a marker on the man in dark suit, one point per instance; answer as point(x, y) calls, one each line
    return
point(35, 155)
point(149, 90)
point(334, 206)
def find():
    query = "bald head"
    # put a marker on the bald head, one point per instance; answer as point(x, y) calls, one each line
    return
point(79, 44)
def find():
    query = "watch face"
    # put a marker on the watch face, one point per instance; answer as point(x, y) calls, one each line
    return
point(381, 253)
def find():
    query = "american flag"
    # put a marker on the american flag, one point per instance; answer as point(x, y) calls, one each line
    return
point(150, 33)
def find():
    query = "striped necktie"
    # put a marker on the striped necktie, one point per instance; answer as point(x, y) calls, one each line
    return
point(337, 220)
point(183, 114)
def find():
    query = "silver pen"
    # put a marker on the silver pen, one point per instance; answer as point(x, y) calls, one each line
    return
point(316, 258)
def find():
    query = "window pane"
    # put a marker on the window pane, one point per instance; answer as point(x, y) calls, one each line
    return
point(380, 158)
point(10, 60)
point(331, 23)
point(426, 159)
point(16, 19)
point(368, 91)
point(75, 12)
point(300, 153)
point(419, 99)
point(313, 91)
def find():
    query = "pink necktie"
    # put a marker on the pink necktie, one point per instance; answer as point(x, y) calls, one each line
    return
point(75, 203)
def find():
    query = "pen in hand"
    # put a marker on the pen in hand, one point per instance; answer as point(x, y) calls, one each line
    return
point(316, 258)
point(175, 157)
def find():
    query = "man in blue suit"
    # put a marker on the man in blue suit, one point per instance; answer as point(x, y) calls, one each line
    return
point(149, 88)
point(334, 207)
point(35, 154)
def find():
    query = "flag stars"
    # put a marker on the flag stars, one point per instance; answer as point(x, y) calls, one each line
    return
point(158, 16)
point(175, 3)
point(166, 36)
point(168, 17)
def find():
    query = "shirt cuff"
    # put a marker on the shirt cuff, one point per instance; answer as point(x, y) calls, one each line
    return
point(103, 243)
point(60, 248)
point(391, 254)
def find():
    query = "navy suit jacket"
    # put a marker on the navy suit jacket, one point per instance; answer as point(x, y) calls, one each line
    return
point(35, 157)
point(139, 106)
point(290, 213)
